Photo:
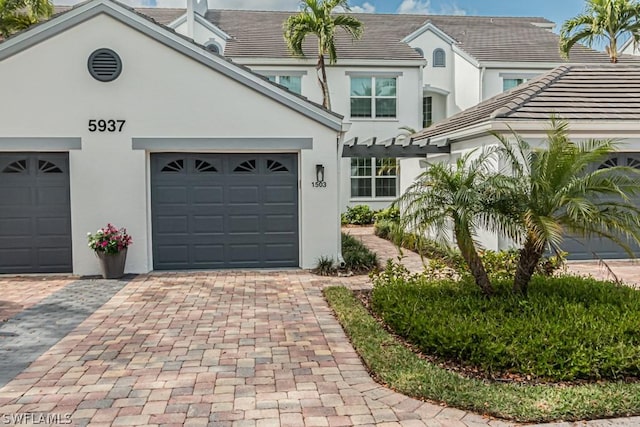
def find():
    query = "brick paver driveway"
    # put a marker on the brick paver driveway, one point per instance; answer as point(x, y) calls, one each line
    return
point(220, 349)
point(235, 348)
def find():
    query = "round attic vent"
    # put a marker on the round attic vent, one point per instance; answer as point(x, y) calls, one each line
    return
point(104, 65)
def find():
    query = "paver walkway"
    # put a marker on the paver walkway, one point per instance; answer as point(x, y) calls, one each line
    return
point(221, 349)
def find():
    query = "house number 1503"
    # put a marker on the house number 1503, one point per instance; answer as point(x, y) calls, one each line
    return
point(319, 184)
point(100, 125)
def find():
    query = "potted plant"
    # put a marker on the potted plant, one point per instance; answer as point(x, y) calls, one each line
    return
point(110, 246)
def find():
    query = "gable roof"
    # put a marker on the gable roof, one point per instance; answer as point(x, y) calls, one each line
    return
point(578, 92)
point(259, 34)
point(162, 34)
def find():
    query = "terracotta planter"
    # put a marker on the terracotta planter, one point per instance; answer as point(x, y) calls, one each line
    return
point(112, 265)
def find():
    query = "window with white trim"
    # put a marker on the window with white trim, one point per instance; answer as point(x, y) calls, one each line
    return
point(511, 83)
point(293, 83)
point(427, 111)
point(439, 58)
point(374, 178)
point(374, 97)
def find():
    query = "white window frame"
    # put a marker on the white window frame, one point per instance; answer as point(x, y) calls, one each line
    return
point(373, 96)
point(438, 64)
point(374, 175)
point(277, 75)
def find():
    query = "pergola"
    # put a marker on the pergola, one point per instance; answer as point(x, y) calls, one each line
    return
point(393, 147)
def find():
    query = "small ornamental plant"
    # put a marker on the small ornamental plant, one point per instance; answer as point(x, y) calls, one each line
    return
point(110, 239)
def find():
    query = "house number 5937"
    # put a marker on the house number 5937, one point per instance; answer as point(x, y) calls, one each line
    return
point(100, 125)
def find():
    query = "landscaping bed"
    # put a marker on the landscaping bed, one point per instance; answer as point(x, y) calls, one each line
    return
point(398, 366)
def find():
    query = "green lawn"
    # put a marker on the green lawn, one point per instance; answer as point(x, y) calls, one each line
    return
point(402, 370)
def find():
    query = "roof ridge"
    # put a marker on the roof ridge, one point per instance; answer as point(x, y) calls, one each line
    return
point(532, 89)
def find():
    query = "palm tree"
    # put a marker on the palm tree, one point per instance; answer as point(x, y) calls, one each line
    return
point(316, 18)
point(17, 15)
point(467, 196)
point(561, 192)
point(612, 21)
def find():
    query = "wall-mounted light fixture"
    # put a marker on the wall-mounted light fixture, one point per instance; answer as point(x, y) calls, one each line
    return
point(319, 173)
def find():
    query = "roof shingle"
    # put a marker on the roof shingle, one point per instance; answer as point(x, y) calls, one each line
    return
point(578, 92)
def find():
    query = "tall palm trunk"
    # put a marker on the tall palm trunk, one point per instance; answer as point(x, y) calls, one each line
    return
point(324, 84)
point(530, 256)
point(612, 49)
point(464, 239)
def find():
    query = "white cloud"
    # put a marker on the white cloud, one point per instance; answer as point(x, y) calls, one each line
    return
point(423, 7)
point(415, 7)
point(366, 7)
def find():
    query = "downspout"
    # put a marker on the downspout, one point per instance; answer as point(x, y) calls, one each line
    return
point(340, 149)
point(481, 85)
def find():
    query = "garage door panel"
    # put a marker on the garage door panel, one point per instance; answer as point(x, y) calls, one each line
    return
point(278, 223)
point(279, 194)
point(243, 195)
point(209, 224)
point(35, 213)
point(208, 253)
point(208, 195)
point(52, 257)
point(52, 196)
point(234, 212)
point(173, 254)
point(15, 260)
point(172, 224)
point(15, 196)
point(15, 227)
point(243, 224)
point(54, 226)
point(279, 252)
point(171, 195)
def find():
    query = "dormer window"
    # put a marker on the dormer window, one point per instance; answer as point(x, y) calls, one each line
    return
point(439, 58)
point(419, 51)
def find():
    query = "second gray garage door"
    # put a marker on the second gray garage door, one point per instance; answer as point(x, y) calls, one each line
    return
point(224, 211)
point(584, 249)
point(35, 213)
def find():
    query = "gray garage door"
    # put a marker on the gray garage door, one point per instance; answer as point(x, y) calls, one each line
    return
point(35, 214)
point(224, 211)
point(583, 249)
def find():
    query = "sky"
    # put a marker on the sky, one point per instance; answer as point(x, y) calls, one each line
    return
point(555, 10)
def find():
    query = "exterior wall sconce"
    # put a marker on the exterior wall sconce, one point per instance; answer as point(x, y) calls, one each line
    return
point(319, 173)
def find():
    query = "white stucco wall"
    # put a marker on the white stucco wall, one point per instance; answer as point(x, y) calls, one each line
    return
point(466, 91)
point(161, 93)
point(436, 77)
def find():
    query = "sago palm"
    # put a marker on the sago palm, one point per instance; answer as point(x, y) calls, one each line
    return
point(17, 15)
point(462, 198)
point(316, 18)
point(609, 21)
point(563, 192)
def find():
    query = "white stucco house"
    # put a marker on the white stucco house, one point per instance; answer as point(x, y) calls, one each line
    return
point(198, 131)
point(207, 164)
point(599, 101)
point(406, 71)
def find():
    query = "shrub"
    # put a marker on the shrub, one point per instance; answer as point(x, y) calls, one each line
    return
point(569, 328)
point(392, 213)
point(445, 261)
point(325, 266)
point(358, 215)
point(357, 257)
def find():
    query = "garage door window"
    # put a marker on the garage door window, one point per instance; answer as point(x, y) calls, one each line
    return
point(175, 166)
point(19, 166)
point(248, 166)
point(203, 166)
